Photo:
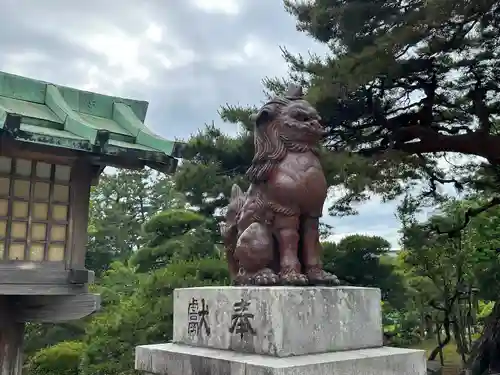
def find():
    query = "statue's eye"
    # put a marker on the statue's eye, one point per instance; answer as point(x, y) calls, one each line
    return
point(301, 116)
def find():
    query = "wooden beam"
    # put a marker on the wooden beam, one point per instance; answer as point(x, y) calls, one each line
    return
point(42, 289)
point(32, 273)
point(33, 278)
point(81, 276)
point(55, 309)
point(81, 178)
point(11, 337)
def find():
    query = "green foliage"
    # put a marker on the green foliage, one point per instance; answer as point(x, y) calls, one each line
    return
point(39, 336)
point(118, 283)
point(482, 235)
point(384, 92)
point(442, 269)
point(120, 205)
point(485, 309)
point(469, 257)
point(144, 317)
point(174, 235)
point(358, 260)
point(61, 359)
point(215, 162)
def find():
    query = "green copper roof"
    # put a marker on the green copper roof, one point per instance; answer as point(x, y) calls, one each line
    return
point(44, 113)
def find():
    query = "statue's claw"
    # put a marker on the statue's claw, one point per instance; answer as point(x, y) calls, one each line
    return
point(292, 277)
point(265, 277)
point(242, 278)
point(262, 278)
point(318, 276)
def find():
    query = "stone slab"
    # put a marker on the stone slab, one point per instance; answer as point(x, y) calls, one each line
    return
point(174, 359)
point(284, 321)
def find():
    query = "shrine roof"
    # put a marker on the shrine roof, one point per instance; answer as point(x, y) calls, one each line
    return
point(63, 117)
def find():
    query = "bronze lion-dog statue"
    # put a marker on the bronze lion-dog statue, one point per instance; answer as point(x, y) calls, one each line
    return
point(271, 232)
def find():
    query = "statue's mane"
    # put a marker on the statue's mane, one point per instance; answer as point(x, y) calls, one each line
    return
point(270, 141)
point(270, 150)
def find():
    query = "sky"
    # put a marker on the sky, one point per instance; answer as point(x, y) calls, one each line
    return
point(185, 57)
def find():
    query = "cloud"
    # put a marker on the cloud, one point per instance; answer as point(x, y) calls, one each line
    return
point(229, 7)
point(375, 218)
point(186, 57)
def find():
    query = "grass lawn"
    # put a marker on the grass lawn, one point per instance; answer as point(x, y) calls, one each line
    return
point(451, 357)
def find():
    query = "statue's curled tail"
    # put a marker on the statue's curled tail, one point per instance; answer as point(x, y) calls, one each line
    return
point(229, 229)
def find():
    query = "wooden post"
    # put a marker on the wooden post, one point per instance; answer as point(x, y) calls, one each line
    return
point(11, 338)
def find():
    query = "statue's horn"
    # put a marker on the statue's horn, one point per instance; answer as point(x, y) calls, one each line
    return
point(294, 91)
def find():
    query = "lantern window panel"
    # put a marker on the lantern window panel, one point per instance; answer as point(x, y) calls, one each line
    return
point(3, 229)
point(23, 167)
point(18, 230)
point(4, 207)
point(60, 194)
point(40, 211)
point(38, 231)
point(16, 250)
point(56, 253)
point(59, 212)
point(58, 233)
point(21, 189)
point(62, 173)
point(43, 170)
point(42, 190)
point(36, 252)
point(34, 210)
point(4, 186)
point(20, 210)
point(5, 164)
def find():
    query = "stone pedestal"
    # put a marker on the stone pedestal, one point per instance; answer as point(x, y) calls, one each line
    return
point(278, 330)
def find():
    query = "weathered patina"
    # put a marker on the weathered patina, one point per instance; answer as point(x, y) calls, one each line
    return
point(271, 232)
point(108, 129)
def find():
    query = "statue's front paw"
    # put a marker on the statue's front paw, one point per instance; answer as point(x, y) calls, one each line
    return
point(318, 276)
point(290, 276)
point(265, 277)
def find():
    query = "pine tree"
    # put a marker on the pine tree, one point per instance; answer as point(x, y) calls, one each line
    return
point(403, 83)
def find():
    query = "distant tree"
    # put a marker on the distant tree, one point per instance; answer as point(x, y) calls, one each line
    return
point(144, 317)
point(359, 260)
point(61, 359)
point(39, 336)
point(446, 267)
point(119, 282)
point(403, 83)
point(214, 163)
point(174, 235)
point(119, 206)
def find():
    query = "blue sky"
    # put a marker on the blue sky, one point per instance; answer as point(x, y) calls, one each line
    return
point(186, 57)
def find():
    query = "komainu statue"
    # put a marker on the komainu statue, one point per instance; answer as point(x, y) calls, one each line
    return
point(271, 232)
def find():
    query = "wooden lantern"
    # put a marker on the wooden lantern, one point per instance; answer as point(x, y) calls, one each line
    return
point(54, 143)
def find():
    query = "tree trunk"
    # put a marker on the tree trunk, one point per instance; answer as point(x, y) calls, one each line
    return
point(11, 338)
point(439, 348)
point(429, 327)
point(485, 356)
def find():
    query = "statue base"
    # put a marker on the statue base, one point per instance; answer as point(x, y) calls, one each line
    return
point(278, 321)
point(278, 330)
point(175, 359)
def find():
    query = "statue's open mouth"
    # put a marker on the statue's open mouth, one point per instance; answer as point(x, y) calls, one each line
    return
point(310, 130)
